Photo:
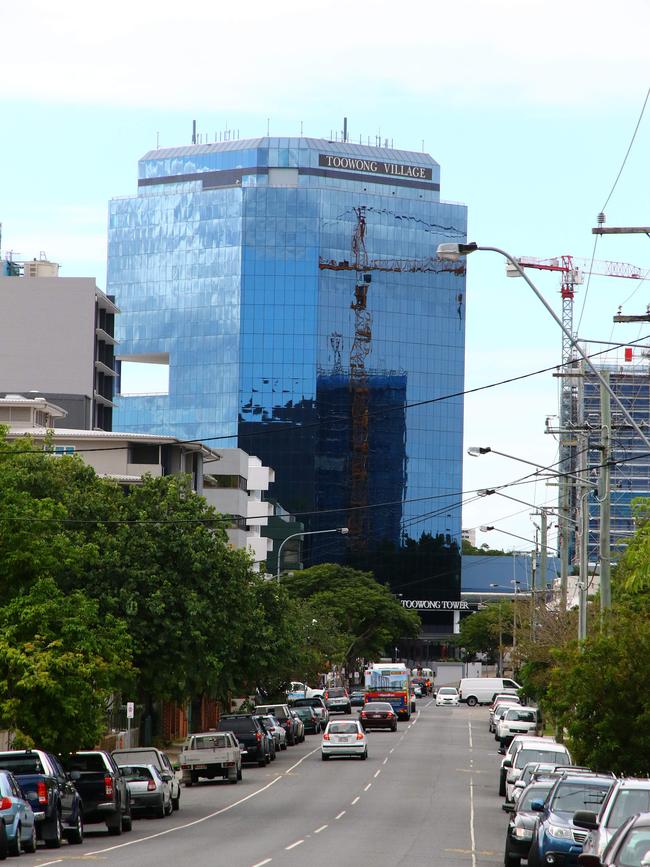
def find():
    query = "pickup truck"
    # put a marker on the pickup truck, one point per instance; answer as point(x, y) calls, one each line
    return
point(211, 754)
point(102, 787)
point(57, 805)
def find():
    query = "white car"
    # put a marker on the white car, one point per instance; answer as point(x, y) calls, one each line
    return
point(497, 706)
point(344, 738)
point(447, 695)
point(516, 721)
point(533, 750)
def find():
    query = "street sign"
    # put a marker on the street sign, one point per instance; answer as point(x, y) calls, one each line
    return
point(130, 710)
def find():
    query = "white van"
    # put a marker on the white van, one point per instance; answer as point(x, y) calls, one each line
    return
point(481, 690)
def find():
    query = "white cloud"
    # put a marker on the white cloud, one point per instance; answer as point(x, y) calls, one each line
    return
point(257, 56)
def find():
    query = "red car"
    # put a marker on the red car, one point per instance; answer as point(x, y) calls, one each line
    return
point(378, 715)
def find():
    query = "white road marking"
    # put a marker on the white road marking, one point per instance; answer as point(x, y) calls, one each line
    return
point(367, 787)
point(472, 836)
point(358, 798)
point(300, 761)
point(293, 845)
point(386, 759)
point(469, 724)
point(377, 772)
point(342, 813)
point(429, 703)
point(46, 863)
point(322, 828)
point(392, 750)
point(261, 863)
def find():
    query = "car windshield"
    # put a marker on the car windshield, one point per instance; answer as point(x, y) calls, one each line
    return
point(75, 762)
point(277, 712)
point(535, 755)
point(336, 693)
point(136, 773)
point(636, 849)
point(538, 792)
point(307, 702)
point(447, 690)
point(342, 728)
point(378, 707)
point(627, 803)
point(304, 712)
point(571, 796)
point(21, 763)
point(521, 715)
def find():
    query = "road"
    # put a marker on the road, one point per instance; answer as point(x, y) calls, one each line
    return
point(427, 795)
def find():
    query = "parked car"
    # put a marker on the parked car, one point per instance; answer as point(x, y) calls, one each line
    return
point(378, 715)
point(103, 791)
point(248, 732)
point(337, 699)
point(630, 845)
point(278, 731)
point(56, 803)
point(555, 835)
point(447, 695)
point(268, 734)
point(517, 720)
point(317, 702)
point(310, 719)
point(522, 822)
point(625, 798)
point(300, 727)
point(150, 793)
point(155, 757)
point(344, 738)
point(497, 705)
point(357, 698)
point(534, 772)
point(533, 750)
point(207, 755)
point(417, 689)
point(16, 818)
point(482, 690)
point(282, 713)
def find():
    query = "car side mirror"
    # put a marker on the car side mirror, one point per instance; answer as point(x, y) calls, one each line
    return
point(508, 808)
point(166, 777)
point(507, 763)
point(585, 819)
point(537, 806)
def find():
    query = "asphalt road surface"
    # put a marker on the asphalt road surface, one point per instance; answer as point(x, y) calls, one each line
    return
point(427, 795)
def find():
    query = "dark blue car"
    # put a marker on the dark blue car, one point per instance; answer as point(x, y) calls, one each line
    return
point(556, 840)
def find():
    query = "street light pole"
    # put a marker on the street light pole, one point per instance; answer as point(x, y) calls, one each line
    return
point(342, 530)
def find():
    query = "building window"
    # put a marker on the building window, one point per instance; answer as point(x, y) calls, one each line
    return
point(144, 453)
point(59, 451)
point(230, 482)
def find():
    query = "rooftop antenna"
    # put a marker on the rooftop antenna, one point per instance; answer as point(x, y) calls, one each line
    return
point(193, 132)
point(301, 129)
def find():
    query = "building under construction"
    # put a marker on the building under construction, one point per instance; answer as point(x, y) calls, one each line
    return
point(291, 286)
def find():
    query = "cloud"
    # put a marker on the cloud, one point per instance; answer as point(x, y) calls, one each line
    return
point(256, 56)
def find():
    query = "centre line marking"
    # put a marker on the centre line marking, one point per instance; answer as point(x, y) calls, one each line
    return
point(261, 863)
point(342, 813)
point(293, 845)
point(471, 745)
point(322, 828)
point(392, 750)
point(386, 759)
point(472, 836)
point(367, 787)
point(355, 801)
point(377, 772)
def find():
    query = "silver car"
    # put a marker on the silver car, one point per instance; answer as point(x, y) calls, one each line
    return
point(17, 818)
point(150, 789)
point(273, 726)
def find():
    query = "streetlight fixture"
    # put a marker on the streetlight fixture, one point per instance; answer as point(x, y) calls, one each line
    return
point(477, 451)
point(342, 530)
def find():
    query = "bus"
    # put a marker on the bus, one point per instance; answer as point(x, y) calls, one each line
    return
point(391, 682)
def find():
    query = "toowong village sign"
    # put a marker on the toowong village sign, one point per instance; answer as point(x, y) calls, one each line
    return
point(374, 167)
point(436, 604)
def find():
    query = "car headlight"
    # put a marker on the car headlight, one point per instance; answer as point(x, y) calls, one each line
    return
point(560, 832)
point(522, 833)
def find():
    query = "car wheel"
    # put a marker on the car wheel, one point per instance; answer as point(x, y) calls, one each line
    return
point(394, 728)
point(176, 802)
point(127, 821)
point(161, 811)
point(510, 860)
point(16, 844)
point(188, 783)
point(4, 843)
point(53, 833)
point(239, 774)
point(169, 809)
point(283, 745)
point(75, 835)
point(114, 824)
point(324, 757)
point(30, 845)
point(364, 755)
point(472, 701)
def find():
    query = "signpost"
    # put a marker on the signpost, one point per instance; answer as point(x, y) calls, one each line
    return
point(130, 713)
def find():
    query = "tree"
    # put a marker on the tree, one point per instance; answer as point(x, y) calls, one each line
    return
point(60, 662)
point(367, 613)
point(486, 630)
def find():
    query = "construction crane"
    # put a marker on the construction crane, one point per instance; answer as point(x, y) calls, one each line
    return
point(572, 270)
point(359, 351)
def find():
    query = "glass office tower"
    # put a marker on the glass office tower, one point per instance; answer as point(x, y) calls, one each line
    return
point(291, 285)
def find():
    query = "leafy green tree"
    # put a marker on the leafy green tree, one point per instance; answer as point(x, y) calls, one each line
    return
point(486, 630)
point(367, 613)
point(598, 694)
point(60, 662)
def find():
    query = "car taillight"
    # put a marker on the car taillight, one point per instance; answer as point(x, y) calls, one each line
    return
point(5, 804)
point(41, 791)
point(258, 735)
point(390, 715)
point(363, 713)
point(151, 786)
point(326, 737)
point(359, 736)
point(108, 786)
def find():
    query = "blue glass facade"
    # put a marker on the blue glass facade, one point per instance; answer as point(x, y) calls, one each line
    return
point(244, 264)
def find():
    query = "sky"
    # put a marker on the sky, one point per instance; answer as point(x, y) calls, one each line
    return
point(529, 107)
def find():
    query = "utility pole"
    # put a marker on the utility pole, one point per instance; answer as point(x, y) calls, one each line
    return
point(604, 495)
point(533, 585)
point(583, 512)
